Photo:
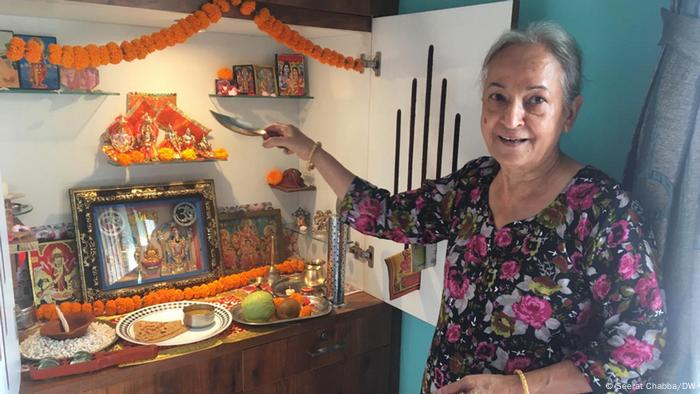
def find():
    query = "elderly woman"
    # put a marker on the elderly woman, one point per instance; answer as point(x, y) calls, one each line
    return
point(549, 275)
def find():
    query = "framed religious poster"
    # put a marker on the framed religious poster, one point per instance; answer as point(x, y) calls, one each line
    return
point(9, 76)
point(135, 238)
point(42, 74)
point(265, 81)
point(244, 79)
point(55, 272)
point(250, 239)
point(291, 75)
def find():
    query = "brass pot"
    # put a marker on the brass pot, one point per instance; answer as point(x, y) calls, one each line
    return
point(315, 273)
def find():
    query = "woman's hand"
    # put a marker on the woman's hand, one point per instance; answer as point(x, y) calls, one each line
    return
point(289, 138)
point(484, 384)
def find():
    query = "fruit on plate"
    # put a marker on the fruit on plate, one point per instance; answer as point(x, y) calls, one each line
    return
point(258, 306)
point(288, 309)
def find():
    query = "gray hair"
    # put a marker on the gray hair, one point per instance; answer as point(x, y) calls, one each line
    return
point(557, 41)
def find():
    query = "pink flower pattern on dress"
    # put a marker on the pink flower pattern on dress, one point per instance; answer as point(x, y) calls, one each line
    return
point(535, 292)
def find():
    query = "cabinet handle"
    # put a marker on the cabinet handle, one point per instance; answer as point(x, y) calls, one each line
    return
point(326, 349)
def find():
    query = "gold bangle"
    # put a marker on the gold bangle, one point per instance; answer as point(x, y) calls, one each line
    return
point(311, 165)
point(523, 381)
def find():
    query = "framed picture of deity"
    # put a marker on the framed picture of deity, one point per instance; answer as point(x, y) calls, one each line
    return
point(55, 272)
point(41, 75)
point(132, 239)
point(250, 239)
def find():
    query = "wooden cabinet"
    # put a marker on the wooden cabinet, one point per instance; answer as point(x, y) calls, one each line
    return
point(353, 350)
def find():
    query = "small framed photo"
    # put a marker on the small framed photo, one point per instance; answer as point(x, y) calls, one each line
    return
point(223, 87)
point(291, 75)
point(9, 75)
point(131, 239)
point(244, 78)
point(265, 81)
point(85, 79)
point(41, 75)
point(404, 271)
point(250, 239)
point(55, 272)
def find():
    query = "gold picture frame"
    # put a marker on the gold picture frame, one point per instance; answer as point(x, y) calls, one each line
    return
point(131, 239)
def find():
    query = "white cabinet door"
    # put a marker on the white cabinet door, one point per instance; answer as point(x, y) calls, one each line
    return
point(460, 38)
point(9, 351)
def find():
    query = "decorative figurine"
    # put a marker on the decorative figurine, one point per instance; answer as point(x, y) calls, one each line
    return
point(149, 134)
point(204, 148)
point(321, 220)
point(122, 140)
point(188, 139)
point(303, 218)
point(172, 140)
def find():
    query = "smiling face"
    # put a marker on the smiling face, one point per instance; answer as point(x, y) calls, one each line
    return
point(523, 109)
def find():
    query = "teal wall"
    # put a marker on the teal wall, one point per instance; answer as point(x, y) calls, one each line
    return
point(619, 42)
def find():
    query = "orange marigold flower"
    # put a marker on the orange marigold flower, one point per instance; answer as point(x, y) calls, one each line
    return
point(104, 55)
point(137, 301)
point(274, 177)
point(98, 308)
point(189, 294)
point(67, 56)
point(111, 308)
point(359, 66)
point(223, 5)
point(212, 11)
point(82, 59)
point(93, 55)
point(306, 311)
point(203, 19)
point(159, 40)
point(188, 154)
point(220, 154)
point(225, 73)
point(179, 295)
point(15, 49)
point(128, 50)
point(65, 307)
point(34, 50)
point(236, 3)
point(193, 22)
point(136, 156)
point(55, 54)
point(123, 159)
point(139, 48)
point(115, 53)
point(348, 63)
point(247, 7)
point(147, 42)
point(166, 154)
point(189, 25)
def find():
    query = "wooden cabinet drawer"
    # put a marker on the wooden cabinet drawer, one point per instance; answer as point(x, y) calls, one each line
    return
point(338, 341)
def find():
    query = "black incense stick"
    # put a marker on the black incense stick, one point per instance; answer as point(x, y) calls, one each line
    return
point(398, 151)
point(412, 132)
point(441, 128)
point(455, 143)
point(426, 115)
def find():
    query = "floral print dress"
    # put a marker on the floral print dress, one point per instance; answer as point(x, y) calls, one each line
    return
point(575, 281)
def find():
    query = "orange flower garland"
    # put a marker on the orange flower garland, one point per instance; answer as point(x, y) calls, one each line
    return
point(15, 49)
point(123, 305)
point(177, 33)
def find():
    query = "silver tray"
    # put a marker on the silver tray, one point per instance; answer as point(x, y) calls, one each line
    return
point(321, 306)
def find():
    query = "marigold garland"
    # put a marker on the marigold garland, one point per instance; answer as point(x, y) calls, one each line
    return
point(123, 305)
point(177, 33)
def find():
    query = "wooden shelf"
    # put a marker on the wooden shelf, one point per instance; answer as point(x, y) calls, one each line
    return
point(61, 92)
point(150, 163)
point(242, 96)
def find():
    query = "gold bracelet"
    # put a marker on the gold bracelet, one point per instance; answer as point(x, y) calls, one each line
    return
point(311, 165)
point(523, 381)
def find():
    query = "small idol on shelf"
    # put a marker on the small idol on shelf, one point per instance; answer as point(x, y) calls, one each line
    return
point(188, 139)
point(302, 219)
point(204, 148)
point(171, 140)
point(148, 135)
point(122, 140)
